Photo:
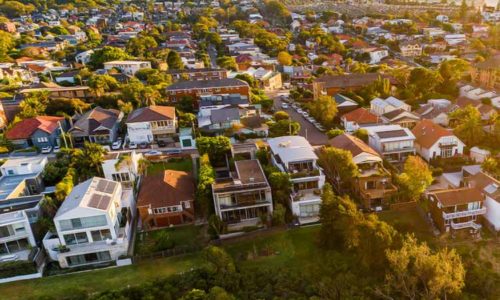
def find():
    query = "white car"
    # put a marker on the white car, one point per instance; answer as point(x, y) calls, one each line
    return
point(116, 145)
point(57, 149)
point(132, 145)
point(284, 105)
point(305, 114)
point(294, 106)
point(311, 119)
point(153, 153)
point(46, 150)
point(299, 110)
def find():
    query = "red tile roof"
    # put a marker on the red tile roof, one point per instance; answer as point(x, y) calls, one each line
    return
point(361, 116)
point(27, 127)
point(427, 133)
point(166, 189)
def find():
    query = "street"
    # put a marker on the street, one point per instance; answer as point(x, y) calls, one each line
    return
point(307, 130)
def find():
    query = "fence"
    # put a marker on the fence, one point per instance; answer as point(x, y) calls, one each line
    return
point(181, 250)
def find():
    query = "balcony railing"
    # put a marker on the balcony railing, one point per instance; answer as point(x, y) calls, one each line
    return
point(464, 213)
point(463, 225)
point(244, 204)
point(305, 173)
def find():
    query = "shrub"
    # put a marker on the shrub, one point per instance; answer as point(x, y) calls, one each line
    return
point(16, 268)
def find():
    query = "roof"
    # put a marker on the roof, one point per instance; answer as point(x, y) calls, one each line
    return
point(427, 133)
point(361, 116)
point(96, 119)
point(201, 70)
point(126, 62)
point(95, 193)
point(342, 100)
point(350, 80)
point(249, 174)
point(205, 84)
point(25, 128)
point(152, 113)
point(390, 132)
point(352, 144)
point(224, 115)
point(400, 113)
point(166, 189)
point(485, 183)
point(460, 196)
point(291, 148)
point(10, 183)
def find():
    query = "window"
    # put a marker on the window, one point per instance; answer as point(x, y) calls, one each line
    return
point(88, 258)
point(6, 231)
point(309, 210)
point(186, 143)
point(42, 139)
point(121, 177)
point(86, 222)
point(447, 152)
point(76, 238)
point(101, 235)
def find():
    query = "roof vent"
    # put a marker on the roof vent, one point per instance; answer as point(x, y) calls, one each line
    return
point(285, 144)
point(251, 179)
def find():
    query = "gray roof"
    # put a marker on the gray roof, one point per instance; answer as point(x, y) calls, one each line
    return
point(95, 118)
point(204, 84)
point(224, 115)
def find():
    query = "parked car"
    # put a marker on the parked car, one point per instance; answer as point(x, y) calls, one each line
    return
point(311, 119)
point(305, 114)
point(132, 145)
point(299, 110)
point(116, 145)
point(46, 149)
point(57, 149)
point(153, 153)
point(143, 145)
point(162, 144)
point(284, 105)
point(294, 106)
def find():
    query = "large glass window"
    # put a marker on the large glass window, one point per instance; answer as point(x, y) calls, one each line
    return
point(309, 210)
point(80, 223)
point(76, 238)
point(6, 231)
point(88, 258)
point(101, 235)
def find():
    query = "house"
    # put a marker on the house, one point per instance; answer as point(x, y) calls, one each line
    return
point(198, 74)
point(333, 84)
point(401, 117)
point(380, 106)
point(455, 39)
point(128, 67)
point(42, 131)
point(93, 225)
point(442, 18)
point(266, 79)
point(373, 186)
point(295, 156)
point(84, 57)
point(67, 77)
point(56, 91)
point(487, 111)
point(455, 209)
point(151, 124)
point(489, 187)
point(344, 104)
point(358, 118)
point(487, 73)
point(195, 89)
point(166, 199)
point(98, 125)
point(393, 142)
point(16, 239)
point(410, 48)
point(437, 112)
point(433, 141)
point(243, 198)
point(376, 54)
point(122, 167)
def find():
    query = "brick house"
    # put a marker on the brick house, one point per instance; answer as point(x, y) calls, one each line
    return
point(195, 89)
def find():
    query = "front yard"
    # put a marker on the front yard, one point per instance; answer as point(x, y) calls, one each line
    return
point(149, 242)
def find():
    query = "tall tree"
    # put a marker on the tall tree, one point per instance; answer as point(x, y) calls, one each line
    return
point(33, 105)
point(174, 60)
point(468, 125)
point(284, 58)
point(88, 160)
point(324, 109)
point(338, 166)
point(416, 177)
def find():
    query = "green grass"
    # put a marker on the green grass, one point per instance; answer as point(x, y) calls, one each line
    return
point(185, 165)
point(95, 281)
point(147, 242)
point(409, 221)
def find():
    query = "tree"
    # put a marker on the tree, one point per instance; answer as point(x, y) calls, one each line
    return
point(33, 105)
point(340, 220)
point(6, 44)
point(14, 9)
point(206, 176)
point(219, 261)
point(324, 109)
point(138, 46)
point(361, 134)
point(227, 62)
point(149, 96)
point(281, 115)
point(338, 166)
point(217, 148)
point(284, 58)
point(281, 187)
point(88, 160)
point(100, 84)
point(283, 127)
point(491, 165)
point(105, 54)
point(415, 272)
point(279, 213)
point(66, 106)
point(332, 133)
point(276, 12)
point(174, 61)
point(375, 237)
point(416, 177)
point(468, 125)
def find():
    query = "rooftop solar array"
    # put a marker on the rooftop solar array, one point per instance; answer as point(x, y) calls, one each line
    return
point(99, 201)
point(391, 134)
point(106, 186)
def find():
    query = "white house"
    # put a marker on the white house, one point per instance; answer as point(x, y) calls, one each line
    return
point(442, 18)
point(380, 106)
point(23, 165)
point(84, 57)
point(151, 124)
point(433, 141)
point(122, 167)
point(490, 189)
point(393, 142)
point(128, 67)
point(454, 39)
point(294, 155)
point(377, 54)
point(92, 224)
point(16, 236)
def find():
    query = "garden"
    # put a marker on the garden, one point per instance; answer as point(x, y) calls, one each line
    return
point(150, 242)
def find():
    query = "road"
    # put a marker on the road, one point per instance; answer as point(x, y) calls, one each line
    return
point(307, 130)
point(212, 53)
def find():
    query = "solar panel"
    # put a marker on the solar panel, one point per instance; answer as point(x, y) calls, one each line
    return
point(94, 200)
point(110, 187)
point(106, 186)
point(104, 202)
point(101, 185)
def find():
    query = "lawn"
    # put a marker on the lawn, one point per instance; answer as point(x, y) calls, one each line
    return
point(152, 241)
point(184, 164)
point(409, 221)
point(58, 287)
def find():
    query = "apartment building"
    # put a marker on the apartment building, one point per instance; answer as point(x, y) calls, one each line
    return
point(241, 199)
point(195, 89)
point(393, 142)
point(151, 124)
point(93, 225)
point(198, 74)
point(295, 156)
point(410, 48)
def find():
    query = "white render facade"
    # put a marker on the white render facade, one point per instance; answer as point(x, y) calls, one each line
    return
point(129, 67)
point(446, 146)
point(122, 167)
point(91, 225)
point(294, 155)
point(16, 236)
point(144, 132)
point(393, 142)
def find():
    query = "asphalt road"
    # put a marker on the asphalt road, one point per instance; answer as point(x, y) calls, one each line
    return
point(307, 130)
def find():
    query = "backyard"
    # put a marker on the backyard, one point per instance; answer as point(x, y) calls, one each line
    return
point(149, 242)
point(177, 164)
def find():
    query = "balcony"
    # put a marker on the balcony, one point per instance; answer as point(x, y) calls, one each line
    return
point(448, 144)
point(378, 193)
point(469, 224)
point(240, 204)
point(464, 213)
point(304, 173)
point(306, 195)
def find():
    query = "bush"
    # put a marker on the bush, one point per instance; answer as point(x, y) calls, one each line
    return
point(334, 132)
point(164, 241)
point(16, 268)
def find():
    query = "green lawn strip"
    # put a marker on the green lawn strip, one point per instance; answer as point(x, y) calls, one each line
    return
point(98, 280)
point(148, 242)
point(177, 165)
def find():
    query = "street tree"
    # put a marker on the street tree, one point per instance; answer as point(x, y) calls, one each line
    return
point(416, 177)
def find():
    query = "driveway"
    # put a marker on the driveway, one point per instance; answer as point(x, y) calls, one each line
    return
point(307, 130)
